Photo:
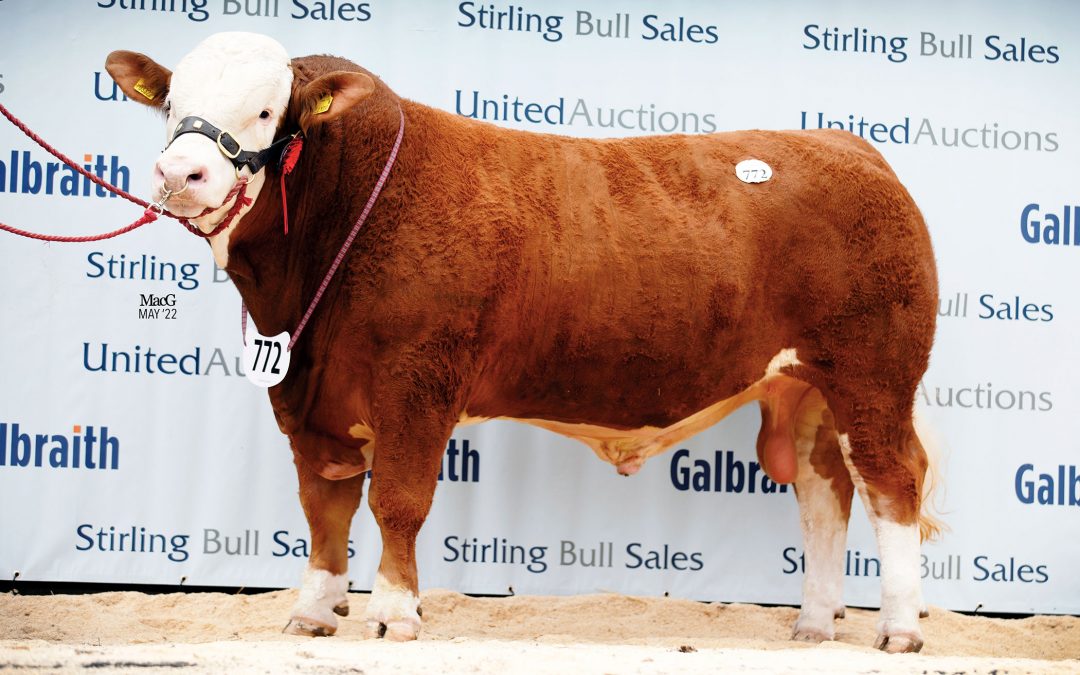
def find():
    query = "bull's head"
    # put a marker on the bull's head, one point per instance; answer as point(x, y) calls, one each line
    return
point(229, 100)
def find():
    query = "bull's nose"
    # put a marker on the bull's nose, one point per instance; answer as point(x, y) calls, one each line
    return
point(175, 174)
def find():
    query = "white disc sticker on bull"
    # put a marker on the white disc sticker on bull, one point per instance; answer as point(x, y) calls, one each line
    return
point(266, 359)
point(753, 171)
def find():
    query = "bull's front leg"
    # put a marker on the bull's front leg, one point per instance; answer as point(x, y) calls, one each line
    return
point(410, 443)
point(329, 506)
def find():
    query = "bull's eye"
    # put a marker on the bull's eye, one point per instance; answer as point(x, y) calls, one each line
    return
point(264, 115)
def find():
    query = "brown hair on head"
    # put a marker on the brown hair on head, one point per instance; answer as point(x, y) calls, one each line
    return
point(320, 95)
point(140, 78)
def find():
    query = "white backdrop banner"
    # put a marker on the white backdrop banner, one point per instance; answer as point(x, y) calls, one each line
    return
point(132, 450)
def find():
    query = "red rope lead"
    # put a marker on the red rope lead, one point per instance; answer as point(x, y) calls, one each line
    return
point(348, 240)
point(148, 217)
point(70, 162)
point(242, 200)
point(352, 234)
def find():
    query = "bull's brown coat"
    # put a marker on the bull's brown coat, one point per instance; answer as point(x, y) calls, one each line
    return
point(615, 283)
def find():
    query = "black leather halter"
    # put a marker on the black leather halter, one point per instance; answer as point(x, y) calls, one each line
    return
point(230, 148)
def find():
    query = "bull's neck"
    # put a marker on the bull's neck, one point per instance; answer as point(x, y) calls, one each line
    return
point(278, 274)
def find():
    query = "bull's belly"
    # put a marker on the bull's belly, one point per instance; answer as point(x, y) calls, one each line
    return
point(628, 449)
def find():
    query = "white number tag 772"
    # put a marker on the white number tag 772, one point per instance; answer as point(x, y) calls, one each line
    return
point(753, 171)
point(266, 359)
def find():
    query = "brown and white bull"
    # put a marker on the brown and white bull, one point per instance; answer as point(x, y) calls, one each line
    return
point(627, 293)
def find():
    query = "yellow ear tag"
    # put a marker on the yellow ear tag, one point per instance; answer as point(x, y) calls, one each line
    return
point(146, 91)
point(324, 104)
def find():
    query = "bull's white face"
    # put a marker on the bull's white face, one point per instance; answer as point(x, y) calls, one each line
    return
point(241, 83)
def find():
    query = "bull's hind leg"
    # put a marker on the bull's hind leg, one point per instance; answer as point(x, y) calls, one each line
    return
point(329, 506)
point(824, 490)
point(796, 420)
point(888, 465)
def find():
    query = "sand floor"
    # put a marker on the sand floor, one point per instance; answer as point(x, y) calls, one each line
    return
point(214, 633)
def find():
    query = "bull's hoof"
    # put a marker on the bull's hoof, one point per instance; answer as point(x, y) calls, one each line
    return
point(811, 635)
point(816, 625)
point(393, 612)
point(840, 613)
point(899, 642)
point(308, 627)
point(321, 601)
point(805, 631)
point(398, 631)
point(923, 613)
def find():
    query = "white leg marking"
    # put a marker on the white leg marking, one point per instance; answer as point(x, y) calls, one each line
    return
point(320, 593)
point(856, 477)
point(394, 607)
point(901, 591)
point(824, 530)
point(901, 588)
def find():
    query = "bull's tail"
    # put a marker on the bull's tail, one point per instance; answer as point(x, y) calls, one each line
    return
point(931, 525)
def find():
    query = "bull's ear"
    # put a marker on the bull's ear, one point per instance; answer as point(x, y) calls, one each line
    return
point(331, 95)
point(139, 77)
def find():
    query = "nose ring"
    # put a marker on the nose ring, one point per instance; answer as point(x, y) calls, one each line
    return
point(171, 193)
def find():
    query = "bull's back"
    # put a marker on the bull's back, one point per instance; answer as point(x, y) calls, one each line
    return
point(653, 229)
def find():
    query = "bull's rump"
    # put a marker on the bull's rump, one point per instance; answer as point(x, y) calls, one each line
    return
point(663, 284)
